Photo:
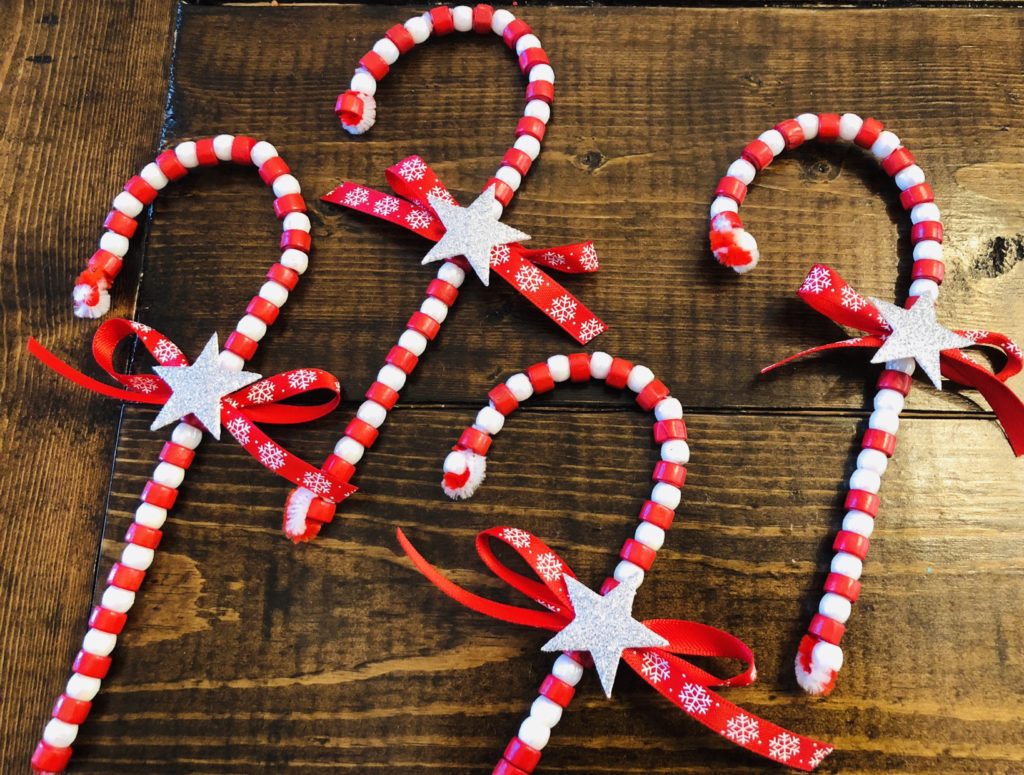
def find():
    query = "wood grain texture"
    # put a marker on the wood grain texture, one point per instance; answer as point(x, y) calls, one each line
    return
point(247, 655)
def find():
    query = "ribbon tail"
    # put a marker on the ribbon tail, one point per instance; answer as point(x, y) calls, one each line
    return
point(1005, 403)
point(860, 341)
point(54, 363)
point(386, 207)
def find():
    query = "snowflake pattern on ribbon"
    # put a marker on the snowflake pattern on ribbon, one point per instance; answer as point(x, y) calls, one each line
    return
point(819, 755)
point(316, 482)
point(553, 258)
point(588, 259)
point(563, 308)
point(146, 384)
point(784, 746)
point(500, 254)
point(590, 329)
point(386, 205)
point(301, 378)
point(655, 668)
point(239, 428)
point(516, 537)
point(529, 278)
point(260, 393)
point(742, 728)
point(853, 300)
point(166, 350)
point(817, 280)
point(357, 196)
point(413, 168)
point(418, 219)
point(695, 699)
point(549, 566)
point(271, 455)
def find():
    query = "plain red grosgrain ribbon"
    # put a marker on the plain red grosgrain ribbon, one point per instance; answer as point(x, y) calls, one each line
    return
point(414, 180)
point(240, 411)
point(826, 291)
point(681, 682)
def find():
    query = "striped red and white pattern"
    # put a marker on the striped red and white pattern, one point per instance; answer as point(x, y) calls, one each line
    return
point(820, 657)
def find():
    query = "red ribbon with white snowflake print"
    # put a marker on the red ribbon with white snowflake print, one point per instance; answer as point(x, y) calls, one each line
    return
point(413, 179)
point(826, 291)
point(677, 679)
point(259, 402)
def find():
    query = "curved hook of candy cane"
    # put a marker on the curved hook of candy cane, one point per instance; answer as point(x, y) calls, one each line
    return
point(126, 576)
point(464, 471)
point(92, 287)
point(820, 657)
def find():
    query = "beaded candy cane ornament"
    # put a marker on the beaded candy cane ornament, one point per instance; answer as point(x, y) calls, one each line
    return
point(904, 338)
point(215, 387)
point(466, 237)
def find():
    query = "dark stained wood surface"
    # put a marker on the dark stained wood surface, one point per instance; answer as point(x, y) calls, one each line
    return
point(245, 654)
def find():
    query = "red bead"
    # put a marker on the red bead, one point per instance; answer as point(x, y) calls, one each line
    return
point(383, 395)
point(105, 620)
point(476, 441)
point(607, 586)
point(400, 36)
point(159, 494)
point(926, 230)
point(532, 57)
point(652, 394)
point(518, 160)
point(657, 515)
point(828, 630)
point(442, 20)
point(828, 126)
point(241, 345)
point(638, 553)
point(851, 543)
point(666, 430)
point(916, 195)
point(792, 132)
point(141, 535)
point(482, 15)
point(320, 510)
point(48, 758)
point(540, 378)
point(70, 710)
point(280, 273)
point(446, 292)
point(557, 690)
point(177, 455)
point(290, 203)
point(349, 107)
point(260, 308)
point(205, 153)
point(296, 239)
point(504, 767)
point(524, 756)
point(119, 223)
point(503, 399)
point(929, 269)
point(734, 188)
point(91, 665)
point(514, 31)
point(123, 577)
point(140, 189)
point(880, 440)
point(669, 473)
point(844, 586)
point(579, 367)
point(529, 125)
point(862, 500)
point(338, 468)
point(171, 165)
point(273, 168)
point(502, 191)
point(759, 154)
point(105, 263)
point(897, 161)
point(375, 65)
point(540, 90)
point(426, 325)
point(403, 359)
point(869, 132)
point(618, 374)
point(895, 380)
point(241, 149)
point(362, 432)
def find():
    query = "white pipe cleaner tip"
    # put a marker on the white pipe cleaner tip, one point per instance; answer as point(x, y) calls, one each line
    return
point(464, 472)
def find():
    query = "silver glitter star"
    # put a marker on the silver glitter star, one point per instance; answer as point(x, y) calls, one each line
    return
point(604, 626)
point(198, 389)
point(471, 232)
point(916, 334)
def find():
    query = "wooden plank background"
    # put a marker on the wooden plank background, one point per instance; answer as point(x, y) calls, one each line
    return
point(245, 654)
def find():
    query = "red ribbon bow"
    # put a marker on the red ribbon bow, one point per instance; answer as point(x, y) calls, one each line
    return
point(240, 411)
point(827, 292)
point(682, 682)
point(413, 179)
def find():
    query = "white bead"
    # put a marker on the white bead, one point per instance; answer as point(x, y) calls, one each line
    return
point(462, 15)
point(349, 450)
point(413, 341)
point(418, 28)
point(884, 420)
point(773, 139)
point(809, 124)
point(835, 607)
point(650, 535)
point(567, 669)
point(890, 400)
point(490, 420)
point(626, 569)
point(639, 378)
point(928, 249)
point(539, 110)
point(542, 73)
point(526, 42)
point(453, 274)
point(372, 413)
point(600, 365)
point(434, 308)
point(231, 361)
point(296, 222)
point(847, 565)
point(501, 19)
point(668, 409)
point(98, 642)
point(528, 144)
point(742, 170)
point(387, 50)
point(520, 386)
point(262, 152)
point(885, 144)
point(510, 176)
point(558, 365)
point(924, 287)
point(117, 599)
point(909, 176)
point(828, 655)
point(82, 687)
point(872, 460)
point(148, 515)
point(676, 451)
point(114, 243)
point(286, 184)
point(902, 365)
point(363, 82)
point(222, 146)
point(274, 292)
point(392, 376)
point(252, 327)
point(455, 463)
point(60, 734)
point(666, 494)
point(534, 733)
point(186, 153)
point(849, 126)
point(153, 175)
point(859, 522)
point(127, 203)
point(168, 474)
point(926, 211)
point(862, 479)
point(724, 204)
point(186, 435)
point(545, 711)
point(428, 20)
